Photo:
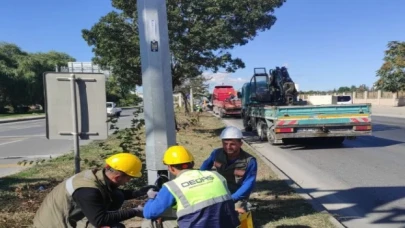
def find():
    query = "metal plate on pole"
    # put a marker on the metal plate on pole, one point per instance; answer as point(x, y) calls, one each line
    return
point(90, 94)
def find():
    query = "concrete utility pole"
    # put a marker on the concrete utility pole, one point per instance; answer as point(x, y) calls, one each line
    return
point(157, 84)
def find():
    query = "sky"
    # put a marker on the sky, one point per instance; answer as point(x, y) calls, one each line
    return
point(324, 44)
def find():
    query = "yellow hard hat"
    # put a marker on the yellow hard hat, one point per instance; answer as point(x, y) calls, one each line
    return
point(127, 163)
point(177, 155)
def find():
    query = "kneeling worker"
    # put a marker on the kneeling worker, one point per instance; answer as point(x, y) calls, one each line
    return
point(201, 197)
point(91, 198)
point(236, 165)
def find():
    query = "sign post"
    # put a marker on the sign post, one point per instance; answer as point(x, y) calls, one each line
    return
point(75, 132)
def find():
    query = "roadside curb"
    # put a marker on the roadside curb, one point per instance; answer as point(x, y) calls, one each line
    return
point(290, 182)
point(21, 119)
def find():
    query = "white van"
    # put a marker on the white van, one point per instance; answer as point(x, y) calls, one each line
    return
point(344, 99)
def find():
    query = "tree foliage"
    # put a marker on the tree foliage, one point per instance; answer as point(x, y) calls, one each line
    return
point(353, 88)
point(21, 74)
point(345, 89)
point(120, 94)
point(392, 72)
point(200, 34)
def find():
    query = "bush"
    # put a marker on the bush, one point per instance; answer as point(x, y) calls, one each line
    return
point(4, 110)
point(129, 100)
point(22, 109)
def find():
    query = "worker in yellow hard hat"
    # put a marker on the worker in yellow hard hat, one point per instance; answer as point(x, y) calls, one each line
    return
point(202, 198)
point(92, 198)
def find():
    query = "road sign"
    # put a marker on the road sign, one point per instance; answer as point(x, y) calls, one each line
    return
point(75, 105)
point(90, 98)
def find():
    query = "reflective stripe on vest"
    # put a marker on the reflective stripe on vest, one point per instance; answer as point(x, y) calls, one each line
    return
point(69, 185)
point(195, 190)
point(88, 174)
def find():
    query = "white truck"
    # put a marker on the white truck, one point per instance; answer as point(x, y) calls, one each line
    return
point(113, 110)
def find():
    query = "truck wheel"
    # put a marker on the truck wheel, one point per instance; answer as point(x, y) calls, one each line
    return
point(246, 124)
point(118, 114)
point(270, 136)
point(261, 130)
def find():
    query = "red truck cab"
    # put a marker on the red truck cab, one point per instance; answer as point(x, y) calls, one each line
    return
point(225, 101)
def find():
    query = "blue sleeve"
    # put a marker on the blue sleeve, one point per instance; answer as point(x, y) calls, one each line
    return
point(207, 164)
point(155, 207)
point(248, 183)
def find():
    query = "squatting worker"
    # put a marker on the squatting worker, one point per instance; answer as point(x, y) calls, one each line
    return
point(91, 198)
point(237, 166)
point(201, 197)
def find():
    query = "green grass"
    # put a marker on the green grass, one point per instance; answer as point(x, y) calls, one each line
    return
point(276, 203)
point(19, 193)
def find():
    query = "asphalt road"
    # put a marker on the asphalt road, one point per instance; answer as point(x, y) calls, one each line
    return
point(362, 182)
point(26, 140)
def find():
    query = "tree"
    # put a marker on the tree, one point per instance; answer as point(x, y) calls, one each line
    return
point(343, 89)
point(199, 85)
point(21, 74)
point(392, 72)
point(121, 94)
point(35, 65)
point(353, 88)
point(13, 85)
point(362, 88)
point(200, 32)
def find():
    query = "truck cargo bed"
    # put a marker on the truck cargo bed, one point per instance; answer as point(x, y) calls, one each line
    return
point(312, 121)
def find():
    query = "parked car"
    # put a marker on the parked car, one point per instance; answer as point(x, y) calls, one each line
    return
point(113, 110)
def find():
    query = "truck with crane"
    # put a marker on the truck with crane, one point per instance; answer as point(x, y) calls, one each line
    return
point(270, 106)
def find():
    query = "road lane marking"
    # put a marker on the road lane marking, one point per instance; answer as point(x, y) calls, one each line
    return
point(20, 128)
point(32, 156)
point(21, 122)
point(339, 206)
point(21, 136)
point(1, 144)
point(25, 127)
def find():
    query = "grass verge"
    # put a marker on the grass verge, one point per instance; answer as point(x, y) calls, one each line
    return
point(276, 203)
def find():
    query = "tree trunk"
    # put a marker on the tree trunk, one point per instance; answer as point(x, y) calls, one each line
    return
point(175, 124)
point(186, 104)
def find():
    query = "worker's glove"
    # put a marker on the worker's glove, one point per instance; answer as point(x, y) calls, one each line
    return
point(139, 211)
point(151, 193)
point(142, 191)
